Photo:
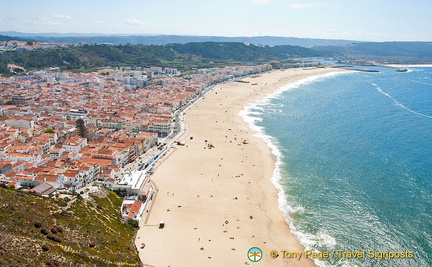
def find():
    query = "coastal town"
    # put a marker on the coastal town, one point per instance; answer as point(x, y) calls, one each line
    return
point(16, 45)
point(66, 133)
point(258, 133)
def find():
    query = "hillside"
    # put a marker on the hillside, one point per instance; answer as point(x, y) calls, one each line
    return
point(396, 52)
point(207, 54)
point(10, 38)
point(36, 231)
point(182, 56)
point(242, 51)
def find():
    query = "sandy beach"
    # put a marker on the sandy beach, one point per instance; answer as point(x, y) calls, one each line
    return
point(219, 202)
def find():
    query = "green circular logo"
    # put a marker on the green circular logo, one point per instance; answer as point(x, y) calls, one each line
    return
point(255, 254)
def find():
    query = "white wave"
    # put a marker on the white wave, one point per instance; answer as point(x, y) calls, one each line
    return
point(320, 239)
point(258, 108)
point(252, 121)
point(255, 113)
point(346, 263)
point(272, 107)
point(277, 93)
point(400, 104)
point(307, 240)
point(422, 83)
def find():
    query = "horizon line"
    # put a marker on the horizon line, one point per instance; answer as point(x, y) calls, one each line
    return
point(77, 34)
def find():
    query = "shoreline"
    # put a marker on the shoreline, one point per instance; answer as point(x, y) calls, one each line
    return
point(220, 200)
point(276, 154)
point(408, 65)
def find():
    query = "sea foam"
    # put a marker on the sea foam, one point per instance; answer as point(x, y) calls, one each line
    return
point(379, 89)
point(249, 114)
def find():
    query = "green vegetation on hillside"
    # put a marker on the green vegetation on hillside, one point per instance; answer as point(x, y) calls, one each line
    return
point(10, 38)
point(37, 231)
point(182, 56)
point(206, 54)
point(243, 51)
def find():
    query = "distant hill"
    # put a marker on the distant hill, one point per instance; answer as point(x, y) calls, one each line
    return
point(182, 56)
point(396, 52)
point(168, 39)
point(243, 52)
point(206, 54)
point(10, 38)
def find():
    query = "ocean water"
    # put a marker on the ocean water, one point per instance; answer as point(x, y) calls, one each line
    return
point(354, 168)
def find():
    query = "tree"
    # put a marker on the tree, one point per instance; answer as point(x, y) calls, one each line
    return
point(49, 131)
point(18, 70)
point(81, 127)
point(3, 66)
point(134, 224)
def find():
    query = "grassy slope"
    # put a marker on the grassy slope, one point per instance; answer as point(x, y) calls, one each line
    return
point(93, 234)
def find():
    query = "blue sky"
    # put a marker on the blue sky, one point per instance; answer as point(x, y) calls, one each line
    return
point(367, 20)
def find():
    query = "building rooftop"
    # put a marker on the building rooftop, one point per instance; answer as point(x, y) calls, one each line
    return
point(133, 180)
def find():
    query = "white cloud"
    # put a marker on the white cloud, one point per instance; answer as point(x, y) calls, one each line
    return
point(298, 6)
point(261, 1)
point(62, 16)
point(135, 21)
